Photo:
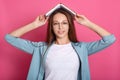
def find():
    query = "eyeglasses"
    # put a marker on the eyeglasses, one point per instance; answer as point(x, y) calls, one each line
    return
point(58, 24)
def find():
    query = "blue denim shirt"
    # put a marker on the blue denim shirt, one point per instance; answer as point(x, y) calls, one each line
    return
point(39, 51)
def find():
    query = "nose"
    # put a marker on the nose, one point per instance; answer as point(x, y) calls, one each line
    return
point(60, 26)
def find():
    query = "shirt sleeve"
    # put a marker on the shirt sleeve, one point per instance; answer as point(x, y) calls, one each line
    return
point(96, 46)
point(22, 44)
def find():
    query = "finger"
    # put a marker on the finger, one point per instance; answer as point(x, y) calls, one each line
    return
point(37, 18)
point(76, 17)
point(40, 17)
point(80, 16)
point(46, 19)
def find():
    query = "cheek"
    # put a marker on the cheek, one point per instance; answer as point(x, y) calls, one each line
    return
point(67, 28)
point(54, 30)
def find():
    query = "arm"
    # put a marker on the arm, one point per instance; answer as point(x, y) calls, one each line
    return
point(39, 21)
point(25, 45)
point(99, 45)
point(94, 27)
point(95, 46)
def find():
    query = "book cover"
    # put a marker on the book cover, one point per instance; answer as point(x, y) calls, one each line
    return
point(60, 5)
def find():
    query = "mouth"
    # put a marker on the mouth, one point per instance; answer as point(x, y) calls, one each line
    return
point(61, 32)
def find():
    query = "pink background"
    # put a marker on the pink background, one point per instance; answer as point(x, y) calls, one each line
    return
point(14, 63)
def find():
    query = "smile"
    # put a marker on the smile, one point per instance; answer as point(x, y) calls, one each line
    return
point(61, 32)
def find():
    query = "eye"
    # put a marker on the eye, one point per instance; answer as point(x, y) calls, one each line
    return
point(55, 23)
point(65, 22)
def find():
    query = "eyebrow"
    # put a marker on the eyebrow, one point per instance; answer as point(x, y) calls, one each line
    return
point(57, 21)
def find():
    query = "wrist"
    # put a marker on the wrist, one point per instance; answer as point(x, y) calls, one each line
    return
point(90, 24)
point(34, 25)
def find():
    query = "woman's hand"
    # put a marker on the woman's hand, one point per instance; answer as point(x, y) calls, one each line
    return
point(81, 19)
point(40, 21)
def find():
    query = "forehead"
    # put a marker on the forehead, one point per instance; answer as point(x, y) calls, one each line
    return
point(59, 17)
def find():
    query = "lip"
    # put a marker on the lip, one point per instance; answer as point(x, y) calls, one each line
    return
point(61, 32)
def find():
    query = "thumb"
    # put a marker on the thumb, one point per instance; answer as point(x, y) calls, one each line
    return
point(46, 19)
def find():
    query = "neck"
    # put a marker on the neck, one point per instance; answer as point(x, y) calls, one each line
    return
point(62, 41)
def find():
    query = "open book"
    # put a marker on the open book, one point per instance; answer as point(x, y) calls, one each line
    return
point(60, 5)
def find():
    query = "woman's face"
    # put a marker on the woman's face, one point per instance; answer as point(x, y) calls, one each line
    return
point(60, 25)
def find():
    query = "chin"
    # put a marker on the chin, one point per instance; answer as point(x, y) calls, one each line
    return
point(61, 36)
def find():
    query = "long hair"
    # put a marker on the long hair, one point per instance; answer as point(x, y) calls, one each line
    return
point(71, 33)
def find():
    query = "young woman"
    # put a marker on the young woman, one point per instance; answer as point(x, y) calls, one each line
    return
point(61, 57)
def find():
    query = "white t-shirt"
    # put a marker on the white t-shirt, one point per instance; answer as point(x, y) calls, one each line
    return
point(62, 63)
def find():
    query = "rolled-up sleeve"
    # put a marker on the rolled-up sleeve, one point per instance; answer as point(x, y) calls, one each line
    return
point(96, 46)
point(22, 44)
